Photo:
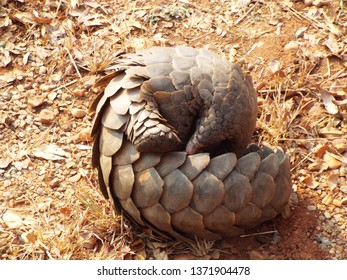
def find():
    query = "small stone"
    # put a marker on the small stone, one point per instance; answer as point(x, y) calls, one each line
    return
point(3, 106)
point(70, 69)
point(292, 45)
point(56, 77)
point(339, 249)
point(67, 127)
point(337, 202)
point(344, 201)
point(78, 93)
point(311, 207)
point(42, 70)
point(78, 113)
point(323, 241)
point(338, 217)
point(327, 215)
point(46, 116)
point(55, 183)
point(45, 87)
point(85, 136)
point(343, 189)
point(36, 101)
point(327, 200)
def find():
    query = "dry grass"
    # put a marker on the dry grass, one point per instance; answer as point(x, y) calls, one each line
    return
point(68, 218)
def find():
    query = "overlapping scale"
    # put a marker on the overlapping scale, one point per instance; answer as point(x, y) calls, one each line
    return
point(180, 195)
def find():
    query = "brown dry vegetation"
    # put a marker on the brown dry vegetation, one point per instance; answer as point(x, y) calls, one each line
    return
point(52, 52)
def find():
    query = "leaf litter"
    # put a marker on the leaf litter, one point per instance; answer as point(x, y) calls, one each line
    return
point(296, 53)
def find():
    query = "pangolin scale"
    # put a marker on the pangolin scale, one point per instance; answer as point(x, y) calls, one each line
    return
point(172, 130)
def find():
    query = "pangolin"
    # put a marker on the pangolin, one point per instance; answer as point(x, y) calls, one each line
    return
point(172, 132)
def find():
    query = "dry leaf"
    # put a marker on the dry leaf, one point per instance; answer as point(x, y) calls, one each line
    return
point(50, 152)
point(43, 203)
point(29, 237)
point(22, 164)
point(274, 65)
point(337, 88)
point(311, 183)
point(320, 150)
point(330, 132)
point(332, 44)
point(328, 102)
point(340, 145)
point(12, 219)
point(24, 17)
point(300, 32)
point(74, 3)
point(333, 180)
point(75, 178)
point(331, 160)
point(5, 162)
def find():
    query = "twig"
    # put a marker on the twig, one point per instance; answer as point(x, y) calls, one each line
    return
point(66, 85)
point(73, 62)
point(301, 161)
point(259, 233)
point(328, 66)
point(247, 13)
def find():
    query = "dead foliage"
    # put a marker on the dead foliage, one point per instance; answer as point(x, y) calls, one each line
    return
point(52, 52)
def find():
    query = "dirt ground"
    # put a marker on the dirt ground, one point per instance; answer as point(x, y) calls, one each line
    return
point(51, 54)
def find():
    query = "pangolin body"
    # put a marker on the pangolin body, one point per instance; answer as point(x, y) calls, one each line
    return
point(171, 130)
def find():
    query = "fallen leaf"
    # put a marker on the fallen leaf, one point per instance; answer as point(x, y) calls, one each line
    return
point(24, 17)
point(331, 160)
point(43, 203)
point(12, 219)
point(65, 211)
point(29, 237)
point(274, 65)
point(328, 102)
point(330, 132)
point(332, 44)
point(320, 150)
point(75, 178)
point(340, 145)
point(333, 180)
point(22, 164)
point(5, 162)
point(300, 32)
point(311, 183)
point(50, 152)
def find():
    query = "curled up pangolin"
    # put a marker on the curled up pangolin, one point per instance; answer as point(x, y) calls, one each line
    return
point(172, 133)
